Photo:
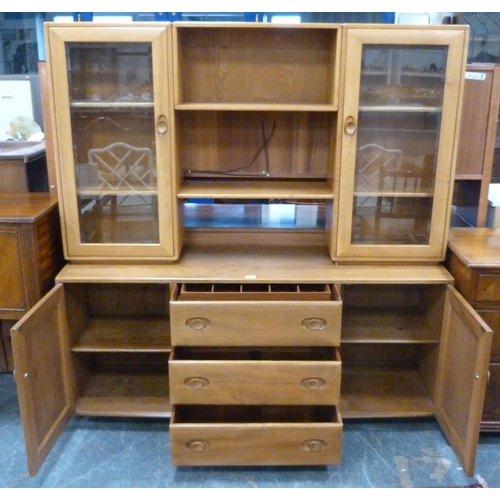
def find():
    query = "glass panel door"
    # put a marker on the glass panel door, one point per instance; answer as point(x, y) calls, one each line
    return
point(113, 136)
point(399, 130)
point(399, 121)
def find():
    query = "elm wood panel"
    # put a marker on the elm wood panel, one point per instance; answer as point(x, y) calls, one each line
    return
point(263, 435)
point(276, 376)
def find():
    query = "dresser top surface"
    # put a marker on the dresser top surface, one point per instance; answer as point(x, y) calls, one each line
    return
point(476, 247)
point(258, 265)
point(25, 207)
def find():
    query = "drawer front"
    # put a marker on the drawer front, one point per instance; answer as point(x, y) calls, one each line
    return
point(487, 290)
point(263, 381)
point(250, 323)
point(273, 441)
point(492, 318)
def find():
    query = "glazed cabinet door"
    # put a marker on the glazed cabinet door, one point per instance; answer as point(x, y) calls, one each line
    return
point(42, 372)
point(111, 103)
point(462, 376)
point(399, 124)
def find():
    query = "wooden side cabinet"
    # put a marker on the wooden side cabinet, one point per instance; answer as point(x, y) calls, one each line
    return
point(474, 261)
point(478, 137)
point(31, 256)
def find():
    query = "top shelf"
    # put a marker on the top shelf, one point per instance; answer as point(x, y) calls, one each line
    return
point(227, 67)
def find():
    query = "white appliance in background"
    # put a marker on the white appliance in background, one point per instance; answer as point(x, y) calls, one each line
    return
point(421, 17)
point(19, 97)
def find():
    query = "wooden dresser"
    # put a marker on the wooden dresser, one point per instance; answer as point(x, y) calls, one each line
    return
point(474, 261)
point(31, 256)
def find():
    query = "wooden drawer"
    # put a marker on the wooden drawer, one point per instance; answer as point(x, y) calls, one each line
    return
point(487, 290)
point(492, 318)
point(287, 376)
point(235, 320)
point(255, 435)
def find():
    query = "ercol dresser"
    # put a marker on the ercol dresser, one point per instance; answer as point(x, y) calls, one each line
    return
point(255, 217)
point(474, 260)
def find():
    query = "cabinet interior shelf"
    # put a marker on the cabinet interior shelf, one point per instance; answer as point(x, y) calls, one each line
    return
point(388, 108)
point(383, 391)
point(379, 326)
point(394, 194)
point(111, 104)
point(236, 106)
point(124, 335)
point(121, 191)
point(256, 189)
point(119, 394)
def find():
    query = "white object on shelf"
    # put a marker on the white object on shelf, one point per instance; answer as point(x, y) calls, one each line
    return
point(493, 216)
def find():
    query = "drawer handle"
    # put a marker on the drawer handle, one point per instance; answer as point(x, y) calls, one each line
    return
point(196, 382)
point(198, 323)
point(313, 383)
point(197, 445)
point(313, 323)
point(313, 444)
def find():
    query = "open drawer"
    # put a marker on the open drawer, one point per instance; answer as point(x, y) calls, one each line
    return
point(256, 314)
point(243, 375)
point(255, 435)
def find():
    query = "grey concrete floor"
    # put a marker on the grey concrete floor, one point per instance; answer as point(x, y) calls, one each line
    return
point(134, 453)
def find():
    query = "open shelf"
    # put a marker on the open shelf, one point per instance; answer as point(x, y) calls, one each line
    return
point(247, 64)
point(383, 391)
point(117, 394)
point(122, 335)
point(293, 190)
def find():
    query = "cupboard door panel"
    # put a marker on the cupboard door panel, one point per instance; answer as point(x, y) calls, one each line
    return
point(462, 376)
point(46, 392)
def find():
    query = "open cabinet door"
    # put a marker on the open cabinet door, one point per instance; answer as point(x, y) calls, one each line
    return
point(41, 360)
point(462, 376)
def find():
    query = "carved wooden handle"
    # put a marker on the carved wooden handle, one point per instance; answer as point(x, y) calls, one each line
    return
point(313, 383)
point(197, 445)
point(313, 323)
point(198, 323)
point(196, 382)
point(313, 444)
point(350, 125)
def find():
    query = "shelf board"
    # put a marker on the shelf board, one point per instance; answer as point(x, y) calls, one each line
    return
point(110, 104)
point(379, 326)
point(256, 189)
point(125, 395)
point(121, 191)
point(383, 391)
point(394, 194)
point(207, 106)
point(399, 108)
point(124, 335)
